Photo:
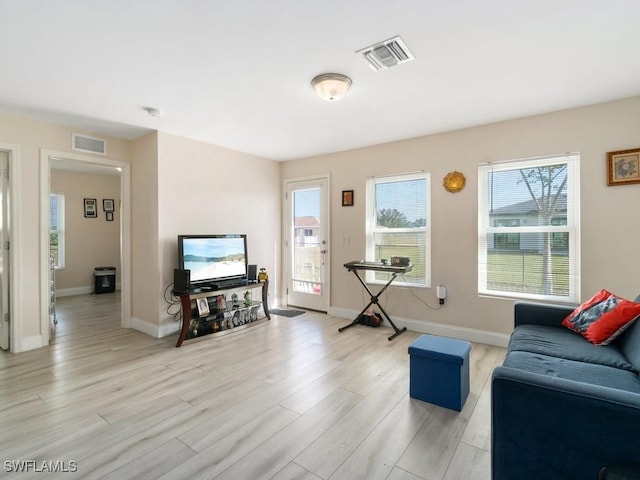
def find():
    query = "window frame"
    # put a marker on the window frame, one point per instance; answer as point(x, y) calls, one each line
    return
point(61, 225)
point(372, 229)
point(571, 229)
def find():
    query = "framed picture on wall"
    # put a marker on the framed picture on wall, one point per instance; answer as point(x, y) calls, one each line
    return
point(107, 204)
point(347, 198)
point(90, 210)
point(623, 167)
point(109, 216)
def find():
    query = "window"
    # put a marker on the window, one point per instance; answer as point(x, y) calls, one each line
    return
point(56, 229)
point(506, 240)
point(528, 228)
point(559, 240)
point(398, 225)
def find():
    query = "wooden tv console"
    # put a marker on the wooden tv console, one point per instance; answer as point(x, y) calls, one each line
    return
point(224, 316)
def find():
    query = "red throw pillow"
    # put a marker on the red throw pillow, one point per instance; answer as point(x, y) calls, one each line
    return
point(603, 317)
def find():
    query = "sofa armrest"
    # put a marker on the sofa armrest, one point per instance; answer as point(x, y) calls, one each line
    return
point(553, 428)
point(527, 313)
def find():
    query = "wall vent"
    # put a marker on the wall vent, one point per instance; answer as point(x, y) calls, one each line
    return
point(82, 143)
point(386, 54)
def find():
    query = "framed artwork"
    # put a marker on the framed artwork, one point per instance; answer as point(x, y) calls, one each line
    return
point(623, 167)
point(90, 210)
point(109, 216)
point(347, 198)
point(107, 204)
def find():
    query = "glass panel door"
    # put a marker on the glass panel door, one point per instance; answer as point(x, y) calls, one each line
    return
point(307, 249)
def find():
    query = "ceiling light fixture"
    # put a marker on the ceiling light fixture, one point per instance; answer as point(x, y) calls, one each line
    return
point(331, 86)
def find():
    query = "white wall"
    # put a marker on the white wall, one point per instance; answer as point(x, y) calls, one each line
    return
point(610, 229)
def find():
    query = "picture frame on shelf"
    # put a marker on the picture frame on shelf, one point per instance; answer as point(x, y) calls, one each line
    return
point(90, 209)
point(203, 307)
point(108, 204)
point(623, 167)
point(347, 198)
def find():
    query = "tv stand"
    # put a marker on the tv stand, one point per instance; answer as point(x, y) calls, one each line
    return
point(221, 318)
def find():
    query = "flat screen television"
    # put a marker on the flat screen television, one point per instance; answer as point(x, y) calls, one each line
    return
point(215, 261)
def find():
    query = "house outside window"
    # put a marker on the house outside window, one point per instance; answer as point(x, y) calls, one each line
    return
point(399, 224)
point(56, 229)
point(528, 228)
point(508, 241)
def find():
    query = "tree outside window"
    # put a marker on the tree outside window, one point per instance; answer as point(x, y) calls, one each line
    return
point(528, 229)
point(398, 225)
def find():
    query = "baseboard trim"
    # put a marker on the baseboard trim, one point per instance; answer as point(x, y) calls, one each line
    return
point(30, 343)
point(423, 326)
point(157, 331)
point(68, 292)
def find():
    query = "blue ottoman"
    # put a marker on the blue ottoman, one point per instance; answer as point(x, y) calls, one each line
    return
point(439, 371)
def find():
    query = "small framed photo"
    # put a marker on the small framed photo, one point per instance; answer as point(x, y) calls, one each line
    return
point(347, 198)
point(90, 209)
point(623, 167)
point(109, 216)
point(107, 204)
point(203, 307)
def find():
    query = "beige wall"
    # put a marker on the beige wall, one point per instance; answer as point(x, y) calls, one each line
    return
point(610, 229)
point(145, 267)
point(206, 189)
point(183, 186)
point(89, 242)
point(31, 136)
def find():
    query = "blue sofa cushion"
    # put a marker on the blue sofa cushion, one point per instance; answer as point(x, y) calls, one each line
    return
point(563, 343)
point(629, 343)
point(590, 373)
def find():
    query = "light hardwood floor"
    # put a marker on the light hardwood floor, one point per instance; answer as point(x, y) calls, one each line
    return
point(290, 398)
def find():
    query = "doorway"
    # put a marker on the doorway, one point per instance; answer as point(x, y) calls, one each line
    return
point(306, 244)
point(50, 159)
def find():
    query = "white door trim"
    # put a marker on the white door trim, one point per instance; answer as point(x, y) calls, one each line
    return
point(15, 337)
point(125, 233)
point(285, 234)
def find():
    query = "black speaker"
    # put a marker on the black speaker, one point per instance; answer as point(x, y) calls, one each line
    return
point(252, 273)
point(181, 280)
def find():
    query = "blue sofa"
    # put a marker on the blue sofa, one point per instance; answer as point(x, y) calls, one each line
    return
point(561, 407)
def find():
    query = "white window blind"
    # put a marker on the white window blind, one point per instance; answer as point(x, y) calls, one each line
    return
point(399, 224)
point(529, 228)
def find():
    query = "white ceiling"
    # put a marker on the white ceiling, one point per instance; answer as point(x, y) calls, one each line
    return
point(237, 73)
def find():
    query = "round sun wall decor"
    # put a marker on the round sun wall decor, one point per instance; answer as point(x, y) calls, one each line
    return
point(454, 182)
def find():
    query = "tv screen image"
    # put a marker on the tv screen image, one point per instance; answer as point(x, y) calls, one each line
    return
point(212, 258)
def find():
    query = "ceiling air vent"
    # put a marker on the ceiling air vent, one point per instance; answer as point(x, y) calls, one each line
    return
point(386, 54)
point(82, 143)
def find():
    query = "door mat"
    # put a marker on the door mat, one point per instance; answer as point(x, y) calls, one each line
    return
point(286, 313)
